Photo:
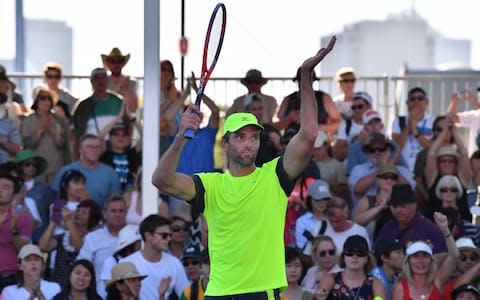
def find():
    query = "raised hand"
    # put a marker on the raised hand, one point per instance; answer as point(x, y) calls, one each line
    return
point(310, 63)
point(442, 221)
point(164, 284)
point(191, 119)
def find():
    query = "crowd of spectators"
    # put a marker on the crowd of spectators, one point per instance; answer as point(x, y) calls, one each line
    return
point(382, 209)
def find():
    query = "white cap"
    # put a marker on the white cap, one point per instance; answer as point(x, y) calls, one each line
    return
point(128, 235)
point(464, 243)
point(370, 115)
point(29, 249)
point(419, 246)
point(321, 139)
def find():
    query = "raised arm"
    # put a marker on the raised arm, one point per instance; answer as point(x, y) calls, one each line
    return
point(165, 177)
point(464, 167)
point(299, 150)
point(450, 263)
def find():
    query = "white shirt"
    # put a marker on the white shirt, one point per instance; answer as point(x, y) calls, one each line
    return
point(355, 129)
point(471, 120)
point(48, 289)
point(168, 265)
point(105, 275)
point(97, 246)
point(339, 238)
point(412, 146)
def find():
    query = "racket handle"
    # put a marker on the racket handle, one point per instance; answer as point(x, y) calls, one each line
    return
point(190, 133)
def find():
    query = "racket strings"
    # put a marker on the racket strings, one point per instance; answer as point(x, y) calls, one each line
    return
point(215, 37)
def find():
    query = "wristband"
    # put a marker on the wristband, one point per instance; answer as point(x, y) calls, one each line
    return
point(448, 235)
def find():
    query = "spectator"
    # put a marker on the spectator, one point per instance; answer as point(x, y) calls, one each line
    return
point(180, 227)
point(466, 291)
point(389, 253)
point(129, 241)
point(11, 102)
point(254, 81)
point(30, 283)
point(294, 270)
point(408, 224)
point(468, 265)
point(91, 115)
point(79, 283)
point(117, 82)
point(65, 101)
point(325, 258)
point(102, 181)
point(333, 171)
point(16, 227)
point(350, 128)
point(315, 217)
point(253, 191)
point(373, 211)
point(354, 282)
point(345, 77)
point(414, 132)
point(10, 138)
point(153, 261)
point(98, 245)
point(191, 262)
point(31, 166)
point(126, 283)
point(67, 244)
point(362, 180)
point(47, 133)
point(447, 160)
point(124, 158)
point(327, 116)
point(340, 227)
point(424, 277)
point(197, 289)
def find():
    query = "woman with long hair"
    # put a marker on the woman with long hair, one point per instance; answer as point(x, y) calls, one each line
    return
point(47, 133)
point(421, 277)
point(354, 282)
point(80, 283)
point(325, 259)
point(126, 283)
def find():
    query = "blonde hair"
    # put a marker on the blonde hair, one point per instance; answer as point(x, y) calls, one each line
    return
point(316, 243)
point(407, 271)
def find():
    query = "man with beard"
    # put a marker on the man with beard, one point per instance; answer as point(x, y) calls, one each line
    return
point(248, 262)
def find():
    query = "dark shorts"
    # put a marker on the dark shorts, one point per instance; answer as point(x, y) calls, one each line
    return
point(265, 295)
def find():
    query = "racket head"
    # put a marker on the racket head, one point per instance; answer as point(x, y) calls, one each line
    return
point(214, 40)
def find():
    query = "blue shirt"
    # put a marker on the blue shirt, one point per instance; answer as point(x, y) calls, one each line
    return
point(8, 132)
point(306, 222)
point(197, 153)
point(379, 273)
point(102, 181)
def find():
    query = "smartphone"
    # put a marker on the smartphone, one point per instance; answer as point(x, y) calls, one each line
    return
point(57, 210)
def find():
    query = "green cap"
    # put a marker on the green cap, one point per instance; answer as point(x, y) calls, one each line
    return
point(28, 154)
point(238, 120)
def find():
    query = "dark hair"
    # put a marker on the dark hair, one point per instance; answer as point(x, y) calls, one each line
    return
point(151, 223)
point(95, 214)
point(67, 285)
point(292, 253)
point(69, 175)
point(417, 89)
point(10, 171)
point(113, 292)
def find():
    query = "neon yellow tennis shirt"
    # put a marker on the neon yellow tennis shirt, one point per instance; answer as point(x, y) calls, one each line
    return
point(246, 219)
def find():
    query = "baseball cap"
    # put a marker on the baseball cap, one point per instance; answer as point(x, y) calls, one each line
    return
point(356, 242)
point(370, 115)
point(239, 120)
point(464, 243)
point(387, 169)
point(363, 95)
point(465, 288)
point(402, 194)
point(28, 250)
point(377, 138)
point(192, 251)
point(321, 139)
point(319, 190)
point(419, 246)
point(447, 150)
point(386, 246)
point(119, 126)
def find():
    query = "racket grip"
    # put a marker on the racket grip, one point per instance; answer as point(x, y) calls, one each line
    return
point(189, 134)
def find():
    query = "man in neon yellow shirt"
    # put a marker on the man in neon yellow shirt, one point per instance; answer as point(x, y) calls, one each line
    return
point(245, 206)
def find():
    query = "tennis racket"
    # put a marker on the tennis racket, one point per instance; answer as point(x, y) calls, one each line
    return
point(211, 52)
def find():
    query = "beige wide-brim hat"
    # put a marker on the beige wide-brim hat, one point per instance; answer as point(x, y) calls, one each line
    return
point(122, 271)
point(115, 53)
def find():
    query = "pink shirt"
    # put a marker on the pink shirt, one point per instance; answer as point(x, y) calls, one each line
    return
point(8, 253)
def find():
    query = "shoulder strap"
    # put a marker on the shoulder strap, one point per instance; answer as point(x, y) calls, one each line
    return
point(194, 290)
point(349, 126)
point(322, 228)
point(401, 122)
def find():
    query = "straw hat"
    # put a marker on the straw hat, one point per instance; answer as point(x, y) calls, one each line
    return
point(115, 53)
point(123, 271)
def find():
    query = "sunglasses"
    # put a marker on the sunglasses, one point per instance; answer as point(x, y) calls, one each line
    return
point(388, 176)
point(30, 164)
point(473, 257)
point(191, 263)
point(448, 189)
point(357, 253)
point(164, 235)
point(376, 150)
point(44, 97)
point(53, 76)
point(358, 106)
point(116, 61)
point(176, 228)
point(348, 80)
point(447, 161)
point(324, 253)
point(416, 98)
point(438, 129)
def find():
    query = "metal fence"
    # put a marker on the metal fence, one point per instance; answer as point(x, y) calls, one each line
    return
point(388, 92)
